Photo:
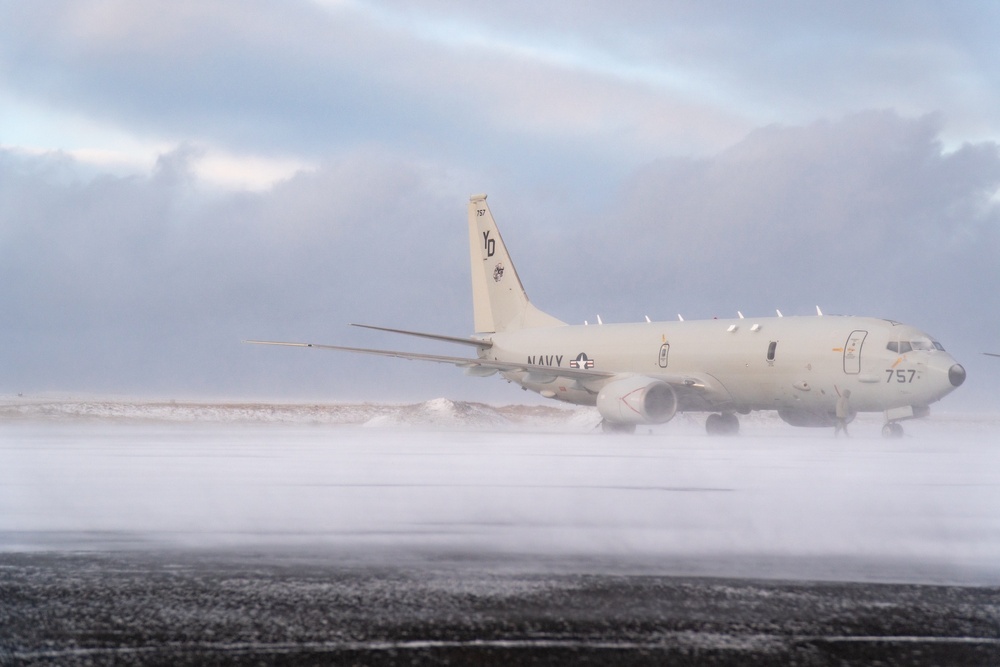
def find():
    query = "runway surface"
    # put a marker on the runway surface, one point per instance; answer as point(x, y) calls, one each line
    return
point(376, 608)
point(173, 543)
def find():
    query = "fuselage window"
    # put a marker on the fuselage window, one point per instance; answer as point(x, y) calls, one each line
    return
point(770, 350)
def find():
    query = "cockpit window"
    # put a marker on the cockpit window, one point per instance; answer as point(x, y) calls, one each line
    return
point(904, 346)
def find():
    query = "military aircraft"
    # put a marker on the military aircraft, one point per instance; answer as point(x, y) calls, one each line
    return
point(647, 372)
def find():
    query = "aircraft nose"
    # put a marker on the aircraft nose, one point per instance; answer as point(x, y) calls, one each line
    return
point(956, 375)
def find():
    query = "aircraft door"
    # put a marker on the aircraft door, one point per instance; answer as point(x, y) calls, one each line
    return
point(664, 351)
point(852, 352)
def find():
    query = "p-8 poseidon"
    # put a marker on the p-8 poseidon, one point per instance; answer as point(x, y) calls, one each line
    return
point(645, 373)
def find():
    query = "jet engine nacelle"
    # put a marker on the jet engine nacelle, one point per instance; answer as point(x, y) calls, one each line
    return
point(637, 400)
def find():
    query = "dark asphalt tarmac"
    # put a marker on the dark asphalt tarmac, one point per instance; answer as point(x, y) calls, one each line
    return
point(228, 608)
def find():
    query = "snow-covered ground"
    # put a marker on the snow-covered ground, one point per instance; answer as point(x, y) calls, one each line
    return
point(436, 413)
point(520, 481)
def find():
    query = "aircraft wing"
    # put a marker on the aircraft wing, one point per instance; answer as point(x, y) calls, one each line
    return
point(463, 362)
point(693, 392)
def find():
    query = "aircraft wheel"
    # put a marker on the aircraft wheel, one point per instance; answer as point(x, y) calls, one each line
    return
point(892, 430)
point(616, 427)
point(713, 425)
point(722, 424)
point(732, 423)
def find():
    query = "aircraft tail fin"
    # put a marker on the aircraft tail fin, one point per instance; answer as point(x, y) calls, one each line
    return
point(498, 297)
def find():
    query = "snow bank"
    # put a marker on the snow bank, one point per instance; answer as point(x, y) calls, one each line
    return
point(436, 413)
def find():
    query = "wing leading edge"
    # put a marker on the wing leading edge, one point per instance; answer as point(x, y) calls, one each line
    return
point(462, 362)
point(481, 343)
point(694, 392)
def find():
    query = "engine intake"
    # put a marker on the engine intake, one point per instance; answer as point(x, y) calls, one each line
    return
point(637, 400)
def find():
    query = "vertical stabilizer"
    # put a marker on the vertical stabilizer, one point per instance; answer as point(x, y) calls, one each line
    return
point(498, 298)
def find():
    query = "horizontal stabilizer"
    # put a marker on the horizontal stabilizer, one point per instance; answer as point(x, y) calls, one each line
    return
point(478, 342)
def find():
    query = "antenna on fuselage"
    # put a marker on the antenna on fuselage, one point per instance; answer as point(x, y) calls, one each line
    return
point(679, 317)
point(819, 312)
point(740, 314)
point(779, 312)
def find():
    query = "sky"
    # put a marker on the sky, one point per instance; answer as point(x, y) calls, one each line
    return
point(178, 176)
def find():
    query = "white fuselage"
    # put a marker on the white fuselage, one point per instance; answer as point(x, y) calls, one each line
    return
point(772, 363)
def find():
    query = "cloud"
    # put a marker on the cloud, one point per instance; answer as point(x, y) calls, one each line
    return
point(871, 200)
point(132, 284)
point(148, 283)
point(583, 96)
point(303, 80)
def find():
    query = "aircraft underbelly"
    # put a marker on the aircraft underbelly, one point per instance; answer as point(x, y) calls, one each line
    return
point(554, 387)
point(768, 388)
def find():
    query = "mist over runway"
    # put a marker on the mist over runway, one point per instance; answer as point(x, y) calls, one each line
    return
point(408, 508)
point(917, 509)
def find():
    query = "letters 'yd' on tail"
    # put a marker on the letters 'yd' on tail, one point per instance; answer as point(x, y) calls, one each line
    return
point(499, 300)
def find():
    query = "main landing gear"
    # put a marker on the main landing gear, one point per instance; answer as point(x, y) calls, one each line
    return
point(892, 430)
point(725, 423)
